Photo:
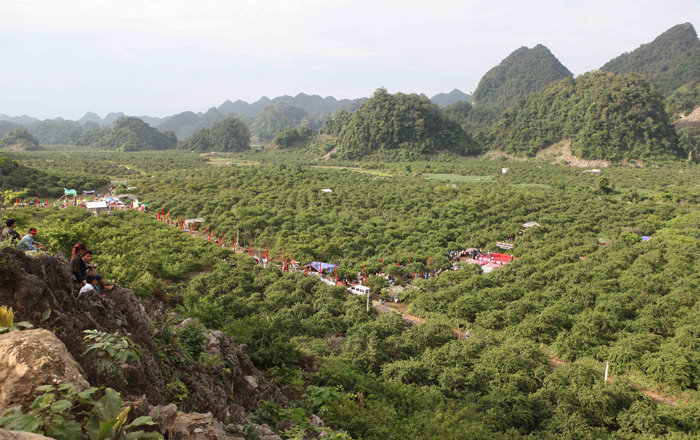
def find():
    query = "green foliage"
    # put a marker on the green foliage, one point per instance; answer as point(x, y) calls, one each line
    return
point(7, 321)
point(65, 414)
point(192, 339)
point(683, 100)
point(19, 139)
point(275, 118)
point(606, 116)
point(689, 143)
point(132, 134)
point(285, 138)
point(108, 352)
point(121, 349)
point(668, 62)
point(176, 392)
point(523, 72)
point(228, 135)
point(407, 125)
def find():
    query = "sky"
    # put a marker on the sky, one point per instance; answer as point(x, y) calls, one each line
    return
point(162, 57)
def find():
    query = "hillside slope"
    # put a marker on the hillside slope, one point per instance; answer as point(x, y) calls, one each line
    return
point(668, 62)
point(520, 73)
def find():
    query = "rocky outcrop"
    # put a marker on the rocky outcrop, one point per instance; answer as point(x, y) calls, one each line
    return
point(32, 285)
point(19, 435)
point(29, 359)
point(194, 426)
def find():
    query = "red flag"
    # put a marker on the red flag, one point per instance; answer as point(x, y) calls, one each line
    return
point(409, 257)
point(267, 255)
point(307, 270)
point(169, 215)
point(47, 202)
point(381, 260)
point(178, 218)
point(428, 260)
point(336, 275)
point(37, 201)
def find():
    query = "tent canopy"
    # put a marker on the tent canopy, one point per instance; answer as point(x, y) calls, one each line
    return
point(320, 266)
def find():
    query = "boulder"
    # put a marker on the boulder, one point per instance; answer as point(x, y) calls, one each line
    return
point(192, 426)
point(20, 435)
point(31, 358)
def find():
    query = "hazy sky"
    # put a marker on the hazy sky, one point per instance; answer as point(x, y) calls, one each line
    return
point(149, 57)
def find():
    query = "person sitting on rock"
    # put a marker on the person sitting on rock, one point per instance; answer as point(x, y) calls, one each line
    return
point(90, 286)
point(9, 232)
point(91, 268)
point(27, 243)
point(77, 266)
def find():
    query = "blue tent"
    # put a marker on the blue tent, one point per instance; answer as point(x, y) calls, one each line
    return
point(320, 266)
point(646, 237)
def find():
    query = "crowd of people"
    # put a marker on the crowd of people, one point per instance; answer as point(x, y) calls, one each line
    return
point(83, 270)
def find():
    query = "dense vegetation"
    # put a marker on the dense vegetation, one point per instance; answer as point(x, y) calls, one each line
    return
point(668, 62)
point(275, 118)
point(607, 116)
point(570, 296)
point(19, 139)
point(132, 134)
point(398, 124)
point(228, 135)
point(683, 100)
point(522, 72)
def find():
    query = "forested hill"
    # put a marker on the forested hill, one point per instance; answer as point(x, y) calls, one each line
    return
point(229, 135)
point(522, 72)
point(606, 116)
point(399, 124)
point(132, 134)
point(670, 61)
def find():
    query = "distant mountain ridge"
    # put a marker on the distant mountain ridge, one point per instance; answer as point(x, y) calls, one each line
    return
point(669, 62)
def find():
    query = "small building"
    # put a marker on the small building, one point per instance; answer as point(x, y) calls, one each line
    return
point(594, 171)
point(505, 170)
point(97, 207)
point(326, 190)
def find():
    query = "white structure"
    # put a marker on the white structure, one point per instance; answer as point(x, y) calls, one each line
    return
point(97, 207)
point(505, 170)
point(326, 190)
point(359, 290)
point(530, 224)
point(593, 171)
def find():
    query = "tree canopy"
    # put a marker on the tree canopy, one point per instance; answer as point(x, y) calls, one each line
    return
point(397, 123)
point(606, 116)
point(229, 135)
point(132, 134)
point(668, 62)
point(522, 72)
point(275, 118)
point(19, 139)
